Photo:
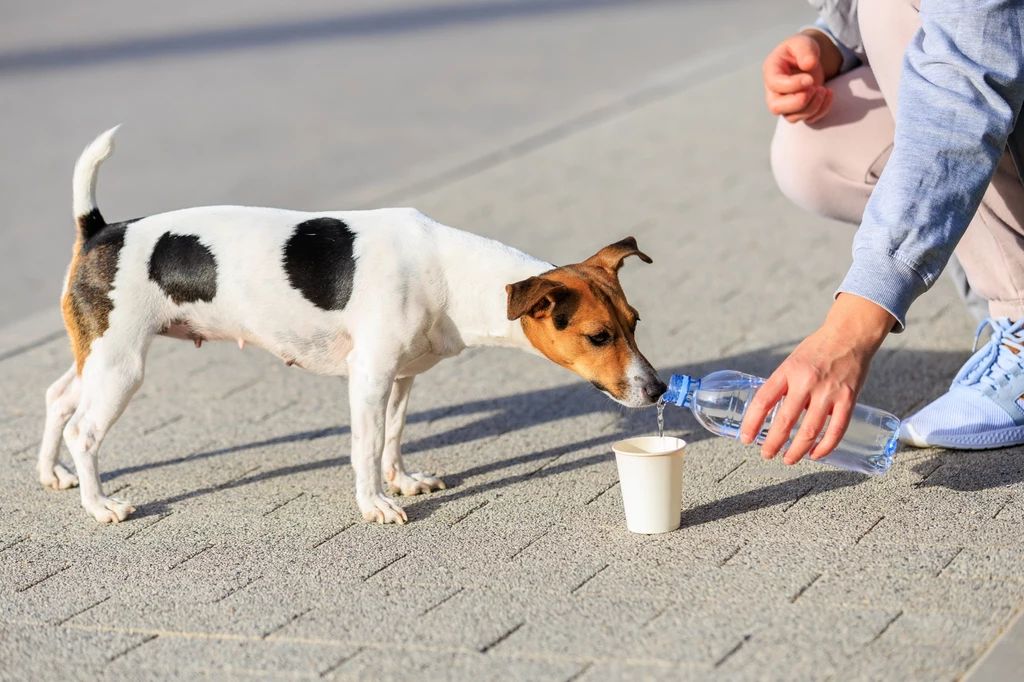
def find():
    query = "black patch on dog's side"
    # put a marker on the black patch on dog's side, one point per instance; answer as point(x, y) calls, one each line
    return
point(90, 224)
point(183, 268)
point(564, 309)
point(319, 262)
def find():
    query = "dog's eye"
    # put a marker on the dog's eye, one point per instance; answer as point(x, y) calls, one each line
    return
point(599, 339)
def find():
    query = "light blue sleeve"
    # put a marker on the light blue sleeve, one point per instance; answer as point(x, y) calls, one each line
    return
point(850, 58)
point(961, 88)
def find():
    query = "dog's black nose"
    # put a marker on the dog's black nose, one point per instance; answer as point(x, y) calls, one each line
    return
point(654, 389)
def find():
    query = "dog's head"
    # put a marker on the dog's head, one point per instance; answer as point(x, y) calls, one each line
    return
point(578, 317)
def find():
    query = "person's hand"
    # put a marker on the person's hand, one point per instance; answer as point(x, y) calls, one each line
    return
point(823, 376)
point(795, 73)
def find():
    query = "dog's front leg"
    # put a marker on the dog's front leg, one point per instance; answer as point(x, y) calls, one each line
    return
point(369, 386)
point(398, 479)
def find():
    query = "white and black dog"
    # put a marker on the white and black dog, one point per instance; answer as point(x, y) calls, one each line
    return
point(379, 296)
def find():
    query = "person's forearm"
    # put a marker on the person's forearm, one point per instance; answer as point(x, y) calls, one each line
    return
point(961, 88)
point(863, 323)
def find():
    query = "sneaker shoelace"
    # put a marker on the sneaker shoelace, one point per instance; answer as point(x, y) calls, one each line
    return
point(1007, 358)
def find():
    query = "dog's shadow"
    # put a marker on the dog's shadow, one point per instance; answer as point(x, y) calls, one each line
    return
point(898, 383)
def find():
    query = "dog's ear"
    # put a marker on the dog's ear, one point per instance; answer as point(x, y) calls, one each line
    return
point(610, 257)
point(535, 297)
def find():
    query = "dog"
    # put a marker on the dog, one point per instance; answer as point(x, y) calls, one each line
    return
point(378, 296)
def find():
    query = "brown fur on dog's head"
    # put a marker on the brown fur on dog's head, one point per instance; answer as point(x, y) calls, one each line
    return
point(578, 317)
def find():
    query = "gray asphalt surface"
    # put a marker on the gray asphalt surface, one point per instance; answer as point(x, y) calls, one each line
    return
point(309, 105)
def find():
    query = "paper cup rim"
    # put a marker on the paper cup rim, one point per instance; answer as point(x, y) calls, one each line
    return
point(678, 446)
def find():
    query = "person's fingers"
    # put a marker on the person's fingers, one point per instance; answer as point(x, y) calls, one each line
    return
point(783, 105)
point(805, 54)
point(826, 106)
point(760, 405)
point(779, 76)
point(807, 435)
point(813, 105)
point(786, 417)
point(837, 424)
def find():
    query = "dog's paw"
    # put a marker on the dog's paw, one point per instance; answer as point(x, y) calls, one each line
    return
point(414, 483)
point(382, 509)
point(58, 478)
point(109, 510)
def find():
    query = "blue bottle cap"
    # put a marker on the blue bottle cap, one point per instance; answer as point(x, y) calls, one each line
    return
point(678, 388)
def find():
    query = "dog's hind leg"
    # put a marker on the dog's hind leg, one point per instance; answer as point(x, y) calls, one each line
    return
point(108, 383)
point(369, 385)
point(398, 479)
point(61, 401)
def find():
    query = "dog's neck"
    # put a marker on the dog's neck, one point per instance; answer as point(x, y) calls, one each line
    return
point(477, 270)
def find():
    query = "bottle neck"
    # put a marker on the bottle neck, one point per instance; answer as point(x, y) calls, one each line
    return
point(681, 388)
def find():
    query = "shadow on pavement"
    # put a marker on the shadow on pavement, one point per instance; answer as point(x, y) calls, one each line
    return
point(320, 29)
point(903, 385)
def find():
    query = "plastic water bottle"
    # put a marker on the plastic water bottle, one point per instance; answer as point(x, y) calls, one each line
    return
point(720, 400)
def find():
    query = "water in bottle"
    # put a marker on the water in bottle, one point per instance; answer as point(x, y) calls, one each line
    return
point(720, 400)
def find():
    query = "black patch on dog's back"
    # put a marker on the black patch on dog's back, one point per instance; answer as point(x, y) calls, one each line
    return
point(183, 268)
point(319, 262)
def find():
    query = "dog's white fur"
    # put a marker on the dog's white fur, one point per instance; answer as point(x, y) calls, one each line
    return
point(422, 292)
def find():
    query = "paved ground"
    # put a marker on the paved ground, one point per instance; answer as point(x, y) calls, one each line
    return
point(245, 557)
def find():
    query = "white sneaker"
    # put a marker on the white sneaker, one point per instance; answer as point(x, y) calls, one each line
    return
point(984, 407)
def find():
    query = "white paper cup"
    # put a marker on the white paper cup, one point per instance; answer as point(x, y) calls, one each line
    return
point(651, 478)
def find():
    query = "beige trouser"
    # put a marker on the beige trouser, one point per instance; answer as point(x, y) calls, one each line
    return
point(831, 167)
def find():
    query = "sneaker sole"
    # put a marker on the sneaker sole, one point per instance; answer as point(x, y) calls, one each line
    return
point(991, 440)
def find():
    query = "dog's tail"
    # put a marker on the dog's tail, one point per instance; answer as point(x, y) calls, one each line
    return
point(87, 214)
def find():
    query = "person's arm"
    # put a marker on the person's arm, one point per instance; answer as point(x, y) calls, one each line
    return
point(961, 88)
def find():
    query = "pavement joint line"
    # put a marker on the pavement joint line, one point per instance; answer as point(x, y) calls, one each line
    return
point(603, 491)
point(277, 411)
point(118, 489)
point(28, 587)
point(235, 590)
point(656, 616)
point(443, 601)
point(806, 587)
point(925, 478)
point(798, 498)
point(733, 470)
point(278, 506)
point(1009, 499)
point(230, 482)
point(345, 659)
point(387, 646)
point(168, 422)
point(870, 528)
point(471, 511)
point(18, 541)
point(49, 338)
point(511, 631)
point(132, 648)
point(732, 555)
point(733, 651)
point(190, 557)
point(885, 628)
point(146, 527)
point(331, 536)
point(588, 579)
point(580, 673)
point(946, 565)
point(241, 387)
point(80, 612)
point(528, 545)
point(285, 624)
point(386, 566)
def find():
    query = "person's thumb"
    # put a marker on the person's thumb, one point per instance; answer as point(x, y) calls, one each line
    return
point(805, 54)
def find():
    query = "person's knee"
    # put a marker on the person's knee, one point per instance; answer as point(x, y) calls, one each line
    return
point(803, 172)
